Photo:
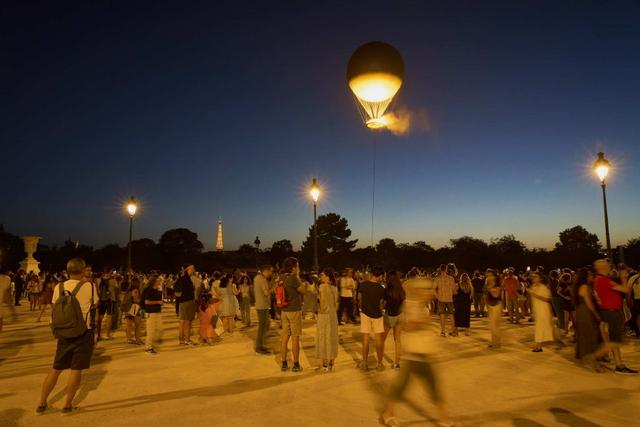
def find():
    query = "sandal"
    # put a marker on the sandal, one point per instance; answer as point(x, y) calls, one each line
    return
point(391, 421)
point(41, 409)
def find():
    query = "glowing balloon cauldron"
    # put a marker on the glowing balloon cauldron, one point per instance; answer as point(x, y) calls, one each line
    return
point(374, 74)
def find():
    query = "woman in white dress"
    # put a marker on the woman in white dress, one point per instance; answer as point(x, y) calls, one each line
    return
point(327, 327)
point(541, 300)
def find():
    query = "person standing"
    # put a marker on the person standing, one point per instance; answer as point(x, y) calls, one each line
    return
point(462, 304)
point(589, 344)
point(445, 287)
point(186, 305)
point(347, 288)
point(371, 303)
point(18, 287)
point(228, 303)
point(611, 309)
point(394, 296)
point(72, 353)
point(493, 297)
point(6, 304)
point(556, 299)
point(262, 294)
point(106, 304)
point(152, 298)
point(542, 313)
point(478, 294)
point(510, 284)
point(245, 301)
point(327, 326)
point(291, 316)
point(310, 300)
point(634, 284)
point(47, 295)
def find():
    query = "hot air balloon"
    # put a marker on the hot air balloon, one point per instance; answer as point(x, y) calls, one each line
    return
point(374, 74)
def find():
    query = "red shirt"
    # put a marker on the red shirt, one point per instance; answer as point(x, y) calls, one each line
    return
point(609, 298)
point(510, 285)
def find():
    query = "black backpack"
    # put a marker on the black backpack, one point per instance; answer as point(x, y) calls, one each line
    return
point(67, 320)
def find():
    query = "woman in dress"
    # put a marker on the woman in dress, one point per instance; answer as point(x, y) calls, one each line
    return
point(228, 304)
point(394, 296)
point(208, 318)
point(327, 326)
point(462, 304)
point(589, 343)
point(245, 300)
point(47, 295)
point(564, 292)
point(542, 313)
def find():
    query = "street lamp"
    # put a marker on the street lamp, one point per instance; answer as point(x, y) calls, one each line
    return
point(132, 208)
point(601, 167)
point(314, 192)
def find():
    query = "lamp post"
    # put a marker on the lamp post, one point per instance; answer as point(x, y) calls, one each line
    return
point(601, 167)
point(132, 208)
point(314, 192)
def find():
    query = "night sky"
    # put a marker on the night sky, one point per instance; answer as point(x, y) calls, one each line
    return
point(228, 109)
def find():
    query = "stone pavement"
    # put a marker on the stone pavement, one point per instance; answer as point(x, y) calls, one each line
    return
point(227, 384)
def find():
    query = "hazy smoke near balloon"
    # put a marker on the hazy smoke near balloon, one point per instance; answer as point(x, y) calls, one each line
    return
point(402, 121)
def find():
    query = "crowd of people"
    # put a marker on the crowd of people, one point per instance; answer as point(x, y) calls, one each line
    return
point(594, 307)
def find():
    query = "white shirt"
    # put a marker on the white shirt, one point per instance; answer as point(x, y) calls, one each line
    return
point(83, 296)
point(347, 285)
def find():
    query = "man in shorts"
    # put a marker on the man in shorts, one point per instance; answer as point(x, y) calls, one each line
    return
point(71, 353)
point(291, 316)
point(371, 302)
point(445, 287)
point(610, 294)
point(187, 305)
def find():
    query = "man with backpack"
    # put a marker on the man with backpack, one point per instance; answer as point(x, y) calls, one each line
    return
point(72, 325)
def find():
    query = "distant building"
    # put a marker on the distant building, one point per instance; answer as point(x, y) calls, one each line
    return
point(219, 243)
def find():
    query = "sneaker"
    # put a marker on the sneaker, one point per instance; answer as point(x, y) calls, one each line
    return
point(184, 343)
point(41, 409)
point(396, 366)
point(263, 352)
point(380, 367)
point(150, 351)
point(623, 370)
point(363, 367)
point(296, 368)
point(67, 410)
point(443, 334)
point(537, 350)
point(284, 367)
point(132, 341)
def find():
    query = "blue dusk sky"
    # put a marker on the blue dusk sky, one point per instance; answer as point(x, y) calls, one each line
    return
point(206, 109)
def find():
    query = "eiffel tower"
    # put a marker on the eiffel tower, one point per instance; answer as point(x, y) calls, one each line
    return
point(219, 244)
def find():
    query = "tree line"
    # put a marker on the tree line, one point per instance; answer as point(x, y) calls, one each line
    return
point(575, 247)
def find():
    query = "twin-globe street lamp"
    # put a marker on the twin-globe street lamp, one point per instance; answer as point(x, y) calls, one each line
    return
point(602, 166)
point(132, 208)
point(314, 192)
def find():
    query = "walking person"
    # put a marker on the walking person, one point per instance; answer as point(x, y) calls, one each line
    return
point(416, 361)
point(74, 345)
point(327, 326)
point(394, 296)
point(106, 306)
point(262, 295)
point(371, 303)
point(462, 304)
point(18, 287)
point(478, 294)
point(6, 304)
point(542, 313)
point(610, 295)
point(152, 298)
point(347, 294)
point(291, 316)
point(493, 297)
point(510, 285)
point(445, 287)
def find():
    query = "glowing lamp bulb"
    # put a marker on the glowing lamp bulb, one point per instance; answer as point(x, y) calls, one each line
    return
point(314, 190)
point(601, 167)
point(132, 206)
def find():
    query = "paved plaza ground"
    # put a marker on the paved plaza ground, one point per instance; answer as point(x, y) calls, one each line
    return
point(228, 385)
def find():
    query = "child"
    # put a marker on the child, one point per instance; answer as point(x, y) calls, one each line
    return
point(208, 319)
